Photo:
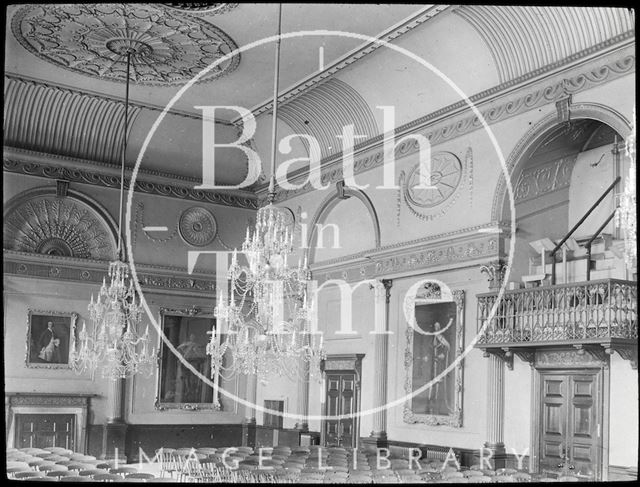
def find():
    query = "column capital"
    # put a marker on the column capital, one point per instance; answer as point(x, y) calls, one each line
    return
point(387, 283)
point(495, 272)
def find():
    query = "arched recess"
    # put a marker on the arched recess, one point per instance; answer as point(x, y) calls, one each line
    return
point(40, 221)
point(528, 143)
point(329, 204)
point(558, 171)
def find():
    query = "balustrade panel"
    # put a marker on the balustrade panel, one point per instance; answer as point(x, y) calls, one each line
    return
point(581, 311)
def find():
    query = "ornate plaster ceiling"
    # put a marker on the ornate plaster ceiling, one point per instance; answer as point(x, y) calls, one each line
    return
point(169, 46)
point(208, 8)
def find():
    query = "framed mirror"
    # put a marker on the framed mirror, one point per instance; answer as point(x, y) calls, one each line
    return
point(179, 387)
point(428, 353)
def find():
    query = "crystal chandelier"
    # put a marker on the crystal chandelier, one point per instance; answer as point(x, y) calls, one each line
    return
point(114, 345)
point(626, 212)
point(266, 320)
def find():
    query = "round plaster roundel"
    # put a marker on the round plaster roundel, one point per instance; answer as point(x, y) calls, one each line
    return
point(446, 173)
point(197, 226)
point(168, 46)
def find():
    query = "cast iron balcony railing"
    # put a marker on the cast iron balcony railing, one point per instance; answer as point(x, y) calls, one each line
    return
point(602, 312)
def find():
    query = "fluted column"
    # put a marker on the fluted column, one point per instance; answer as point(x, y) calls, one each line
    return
point(249, 422)
point(494, 454)
point(250, 396)
point(114, 401)
point(495, 400)
point(303, 397)
point(115, 430)
point(380, 358)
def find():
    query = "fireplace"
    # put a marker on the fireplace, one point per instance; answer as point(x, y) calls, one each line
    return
point(41, 420)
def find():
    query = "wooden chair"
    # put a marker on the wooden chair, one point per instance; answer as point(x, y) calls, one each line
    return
point(123, 471)
point(30, 474)
point(140, 475)
point(92, 472)
point(107, 477)
point(12, 471)
point(59, 450)
point(60, 473)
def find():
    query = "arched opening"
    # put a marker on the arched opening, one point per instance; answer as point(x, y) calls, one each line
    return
point(559, 176)
point(343, 226)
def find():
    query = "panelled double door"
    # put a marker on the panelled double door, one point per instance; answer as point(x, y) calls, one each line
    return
point(340, 400)
point(571, 423)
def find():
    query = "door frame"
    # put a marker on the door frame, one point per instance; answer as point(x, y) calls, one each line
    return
point(348, 364)
point(601, 368)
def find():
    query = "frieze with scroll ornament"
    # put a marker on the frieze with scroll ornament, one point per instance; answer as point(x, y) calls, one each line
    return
point(44, 400)
point(486, 246)
point(544, 178)
point(569, 358)
point(73, 273)
point(245, 200)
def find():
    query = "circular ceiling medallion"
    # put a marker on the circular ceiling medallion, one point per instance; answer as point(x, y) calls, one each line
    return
point(167, 46)
point(208, 8)
point(197, 226)
point(446, 173)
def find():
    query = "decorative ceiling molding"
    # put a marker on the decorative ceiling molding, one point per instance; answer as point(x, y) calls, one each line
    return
point(29, 168)
point(457, 119)
point(523, 39)
point(170, 46)
point(424, 15)
point(203, 8)
point(323, 112)
point(101, 96)
point(72, 124)
point(88, 271)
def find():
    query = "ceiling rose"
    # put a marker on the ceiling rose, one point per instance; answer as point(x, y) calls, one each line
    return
point(167, 46)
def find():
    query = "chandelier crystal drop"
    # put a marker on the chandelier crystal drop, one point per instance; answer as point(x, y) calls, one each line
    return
point(265, 322)
point(626, 217)
point(114, 345)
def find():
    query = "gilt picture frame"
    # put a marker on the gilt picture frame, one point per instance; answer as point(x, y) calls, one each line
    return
point(49, 338)
point(429, 354)
point(178, 387)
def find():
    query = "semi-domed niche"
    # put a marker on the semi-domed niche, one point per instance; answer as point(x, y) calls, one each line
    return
point(565, 170)
point(51, 225)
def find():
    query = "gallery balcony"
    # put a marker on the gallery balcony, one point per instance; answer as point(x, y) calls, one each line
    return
point(599, 317)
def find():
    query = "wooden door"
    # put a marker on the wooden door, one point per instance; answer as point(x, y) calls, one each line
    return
point(340, 400)
point(571, 424)
point(45, 430)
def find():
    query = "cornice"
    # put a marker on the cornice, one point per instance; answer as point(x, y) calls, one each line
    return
point(497, 104)
point(151, 277)
point(27, 164)
point(451, 249)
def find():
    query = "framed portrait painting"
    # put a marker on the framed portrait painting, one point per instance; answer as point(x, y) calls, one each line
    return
point(49, 338)
point(180, 385)
point(433, 378)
